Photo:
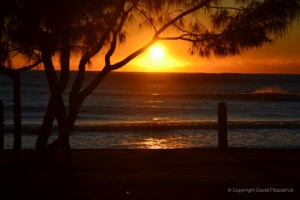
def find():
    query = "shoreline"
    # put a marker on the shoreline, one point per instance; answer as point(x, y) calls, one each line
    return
point(199, 173)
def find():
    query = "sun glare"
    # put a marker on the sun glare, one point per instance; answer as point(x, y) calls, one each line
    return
point(156, 52)
point(158, 59)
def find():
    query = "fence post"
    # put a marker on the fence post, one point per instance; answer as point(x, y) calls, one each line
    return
point(222, 126)
point(1, 126)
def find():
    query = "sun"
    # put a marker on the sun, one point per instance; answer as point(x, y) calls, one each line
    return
point(156, 52)
point(158, 59)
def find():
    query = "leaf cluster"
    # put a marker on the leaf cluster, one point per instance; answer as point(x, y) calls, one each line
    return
point(85, 27)
point(240, 28)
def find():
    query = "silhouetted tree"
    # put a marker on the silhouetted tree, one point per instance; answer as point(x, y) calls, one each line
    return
point(8, 51)
point(212, 27)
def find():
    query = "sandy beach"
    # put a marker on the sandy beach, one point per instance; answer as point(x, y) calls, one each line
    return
point(157, 174)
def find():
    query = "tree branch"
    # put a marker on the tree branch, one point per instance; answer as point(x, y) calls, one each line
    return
point(182, 37)
point(134, 54)
point(192, 37)
point(183, 14)
point(156, 35)
point(106, 69)
point(90, 88)
point(148, 18)
point(115, 34)
point(30, 66)
point(10, 72)
point(225, 7)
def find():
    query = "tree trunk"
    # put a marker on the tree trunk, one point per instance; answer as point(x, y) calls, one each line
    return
point(56, 109)
point(17, 117)
point(63, 140)
point(46, 129)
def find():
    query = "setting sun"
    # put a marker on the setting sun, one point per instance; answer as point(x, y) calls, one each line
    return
point(158, 58)
point(156, 52)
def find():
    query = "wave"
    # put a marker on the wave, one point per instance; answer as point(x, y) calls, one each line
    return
point(259, 95)
point(167, 126)
point(272, 90)
point(161, 126)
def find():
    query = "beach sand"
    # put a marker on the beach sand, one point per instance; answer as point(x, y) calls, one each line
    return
point(157, 174)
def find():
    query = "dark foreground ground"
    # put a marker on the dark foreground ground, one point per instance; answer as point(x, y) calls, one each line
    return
point(157, 174)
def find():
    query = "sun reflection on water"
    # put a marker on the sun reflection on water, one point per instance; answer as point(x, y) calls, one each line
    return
point(154, 143)
point(161, 143)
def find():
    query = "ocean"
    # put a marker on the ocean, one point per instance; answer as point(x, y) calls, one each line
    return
point(167, 110)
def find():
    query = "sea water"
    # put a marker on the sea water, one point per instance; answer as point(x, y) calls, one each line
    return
point(167, 110)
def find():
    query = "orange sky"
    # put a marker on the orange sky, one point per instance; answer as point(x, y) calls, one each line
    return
point(282, 57)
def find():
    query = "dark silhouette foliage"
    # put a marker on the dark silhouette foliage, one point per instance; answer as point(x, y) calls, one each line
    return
point(8, 51)
point(67, 28)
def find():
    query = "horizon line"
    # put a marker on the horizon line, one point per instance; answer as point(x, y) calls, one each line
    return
point(180, 72)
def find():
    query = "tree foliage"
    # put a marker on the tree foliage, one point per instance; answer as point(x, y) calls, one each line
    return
point(9, 49)
point(86, 27)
